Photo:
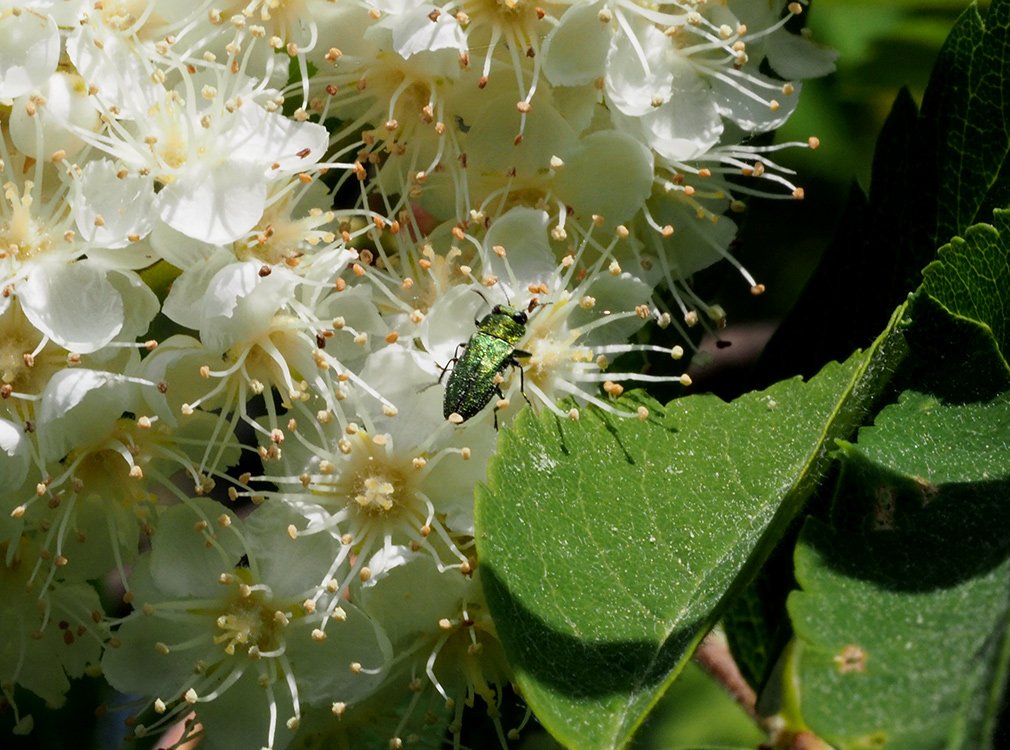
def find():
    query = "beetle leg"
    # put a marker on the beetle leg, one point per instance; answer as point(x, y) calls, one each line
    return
point(501, 395)
point(522, 378)
point(454, 360)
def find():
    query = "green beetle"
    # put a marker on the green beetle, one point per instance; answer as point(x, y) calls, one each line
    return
point(475, 374)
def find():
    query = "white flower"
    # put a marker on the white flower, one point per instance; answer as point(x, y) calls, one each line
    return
point(49, 636)
point(15, 458)
point(263, 330)
point(585, 181)
point(509, 35)
point(75, 301)
point(388, 480)
point(573, 328)
point(280, 237)
point(218, 192)
point(420, 27)
point(111, 209)
point(97, 461)
point(125, 51)
point(224, 627)
point(386, 90)
point(439, 622)
point(213, 148)
point(29, 50)
point(487, 178)
point(38, 118)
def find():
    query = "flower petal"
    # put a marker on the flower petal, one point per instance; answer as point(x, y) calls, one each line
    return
point(640, 72)
point(682, 129)
point(78, 406)
point(239, 303)
point(587, 181)
point(794, 56)
point(414, 31)
point(67, 103)
point(575, 51)
point(14, 455)
point(752, 112)
point(29, 52)
point(110, 209)
point(523, 233)
point(184, 303)
point(74, 304)
point(183, 564)
point(215, 203)
point(276, 144)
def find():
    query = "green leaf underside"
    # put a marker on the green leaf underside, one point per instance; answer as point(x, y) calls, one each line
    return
point(756, 624)
point(958, 323)
point(959, 320)
point(966, 119)
point(935, 173)
point(971, 277)
point(698, 712)
point(608, 546)
point(903, 623)
point(970, 281)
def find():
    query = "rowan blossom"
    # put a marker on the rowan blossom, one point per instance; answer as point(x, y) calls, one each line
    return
point(243, 248)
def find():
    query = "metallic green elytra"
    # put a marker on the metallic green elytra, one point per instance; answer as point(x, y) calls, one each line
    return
point(474, 377)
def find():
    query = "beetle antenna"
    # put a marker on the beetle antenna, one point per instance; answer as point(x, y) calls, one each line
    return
point(479, 292)
point(535, 303)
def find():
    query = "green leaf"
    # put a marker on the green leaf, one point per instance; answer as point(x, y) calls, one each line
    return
point(966, 122)
point(935, 173)
point(938, 443)
point(697, 712)
point(903, 624)
point(756, 623)
point(960, 317)
point(608, 547)
point(971, 276)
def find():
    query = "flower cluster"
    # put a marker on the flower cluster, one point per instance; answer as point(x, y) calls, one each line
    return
point(239, 250)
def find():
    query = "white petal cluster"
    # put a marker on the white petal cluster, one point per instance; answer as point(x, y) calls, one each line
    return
point(242, 248)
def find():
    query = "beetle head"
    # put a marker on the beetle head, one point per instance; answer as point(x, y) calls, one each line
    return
point(519, 316)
